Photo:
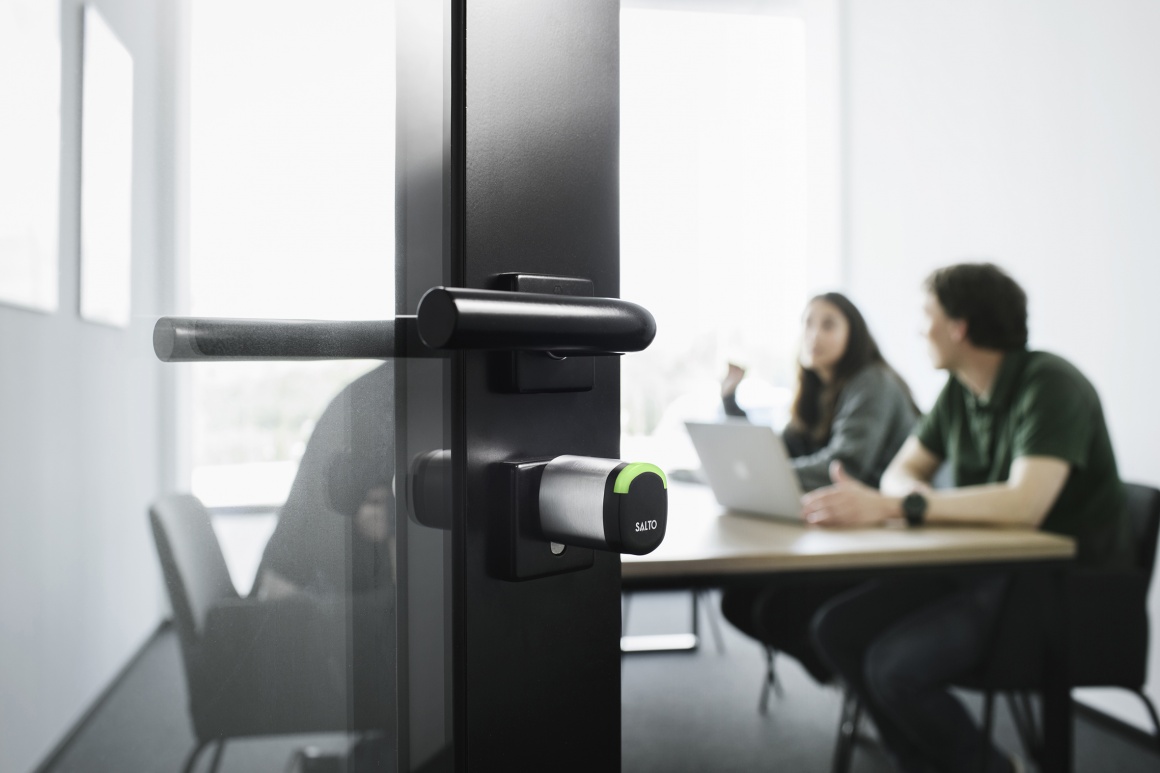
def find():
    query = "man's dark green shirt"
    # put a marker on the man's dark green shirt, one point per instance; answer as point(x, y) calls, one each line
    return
point(1040, 405)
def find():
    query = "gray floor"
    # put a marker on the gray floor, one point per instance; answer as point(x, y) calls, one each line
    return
point(143, 727)
point(714, 725)
point(681, 712)
point(698, 711)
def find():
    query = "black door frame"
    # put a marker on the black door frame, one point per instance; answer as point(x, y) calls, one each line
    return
point(537, 663)
point(529, 183)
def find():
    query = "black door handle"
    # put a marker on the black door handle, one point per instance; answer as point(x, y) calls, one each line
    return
point(448, 318)
point(457, 318)
point(200, 339)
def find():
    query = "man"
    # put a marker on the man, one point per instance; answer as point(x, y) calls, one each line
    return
point(1024, 436)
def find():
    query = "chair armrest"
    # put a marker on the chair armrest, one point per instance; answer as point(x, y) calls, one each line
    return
point(289, 665)
point(234, 622)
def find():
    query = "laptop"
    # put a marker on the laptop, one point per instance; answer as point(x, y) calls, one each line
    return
point(748, 468)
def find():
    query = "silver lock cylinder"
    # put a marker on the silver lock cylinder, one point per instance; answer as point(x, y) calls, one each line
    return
point(606, 504)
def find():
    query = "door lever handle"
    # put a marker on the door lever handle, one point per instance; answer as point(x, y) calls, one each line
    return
point(201, 339)
point(448, 318)
point(459, 318)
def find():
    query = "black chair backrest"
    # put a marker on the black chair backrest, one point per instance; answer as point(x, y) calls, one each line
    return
point(191, 561)
point(1143, 503)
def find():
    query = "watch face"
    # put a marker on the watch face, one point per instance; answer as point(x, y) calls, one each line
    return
point(914, 506)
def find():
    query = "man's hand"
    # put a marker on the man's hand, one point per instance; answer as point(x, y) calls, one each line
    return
point(848, 502)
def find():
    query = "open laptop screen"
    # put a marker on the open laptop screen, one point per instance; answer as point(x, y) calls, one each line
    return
point(748, 468)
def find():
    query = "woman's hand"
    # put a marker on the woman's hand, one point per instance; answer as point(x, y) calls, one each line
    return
point(732, 378)
point(848, 502)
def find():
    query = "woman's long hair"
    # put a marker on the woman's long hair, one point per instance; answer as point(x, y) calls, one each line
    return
point(814, 403)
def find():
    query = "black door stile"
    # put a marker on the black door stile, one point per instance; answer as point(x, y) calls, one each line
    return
point(537, 662)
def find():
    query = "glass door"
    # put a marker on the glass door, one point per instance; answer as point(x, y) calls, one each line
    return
point(310, 613)
point(395, 596)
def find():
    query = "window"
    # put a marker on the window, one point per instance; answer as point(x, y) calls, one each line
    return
point(29, 152)
point(717, 186)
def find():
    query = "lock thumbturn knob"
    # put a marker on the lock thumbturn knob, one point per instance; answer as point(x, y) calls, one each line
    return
point(606, 504)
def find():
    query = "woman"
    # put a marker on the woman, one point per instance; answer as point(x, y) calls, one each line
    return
point(850, 407)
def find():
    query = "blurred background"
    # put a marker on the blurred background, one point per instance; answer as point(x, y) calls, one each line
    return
point(770, 150)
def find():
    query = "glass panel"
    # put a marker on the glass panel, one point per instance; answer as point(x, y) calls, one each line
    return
point(291, 215)
point(305, 467)
point(222, 555)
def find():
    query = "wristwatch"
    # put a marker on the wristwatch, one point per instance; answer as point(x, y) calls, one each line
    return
point(914, 509)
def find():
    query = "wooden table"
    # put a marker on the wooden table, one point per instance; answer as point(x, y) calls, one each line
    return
point(704, 545)
point(707, 547)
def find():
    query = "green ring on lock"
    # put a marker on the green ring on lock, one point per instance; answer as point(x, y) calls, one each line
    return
point(625, 477)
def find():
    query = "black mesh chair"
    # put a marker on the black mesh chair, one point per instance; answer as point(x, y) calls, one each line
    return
point(254, 667)
point(1107, 629)
point(1107, 622)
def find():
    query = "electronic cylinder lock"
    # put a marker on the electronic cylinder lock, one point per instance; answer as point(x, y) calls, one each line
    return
point(567, 508)
point(605, 504)
point(561, 510)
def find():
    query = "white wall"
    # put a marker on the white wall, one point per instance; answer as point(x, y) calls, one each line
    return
point(1023, 132)
point(81, 446)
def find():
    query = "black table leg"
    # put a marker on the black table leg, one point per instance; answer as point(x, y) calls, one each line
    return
point(1057, 715)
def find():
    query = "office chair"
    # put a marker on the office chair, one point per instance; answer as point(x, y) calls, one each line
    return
point(255, 667)
point(1099, 600)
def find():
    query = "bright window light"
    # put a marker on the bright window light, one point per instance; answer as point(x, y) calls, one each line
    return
point(713, 181)
point(292, 148)
point(29, 152)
